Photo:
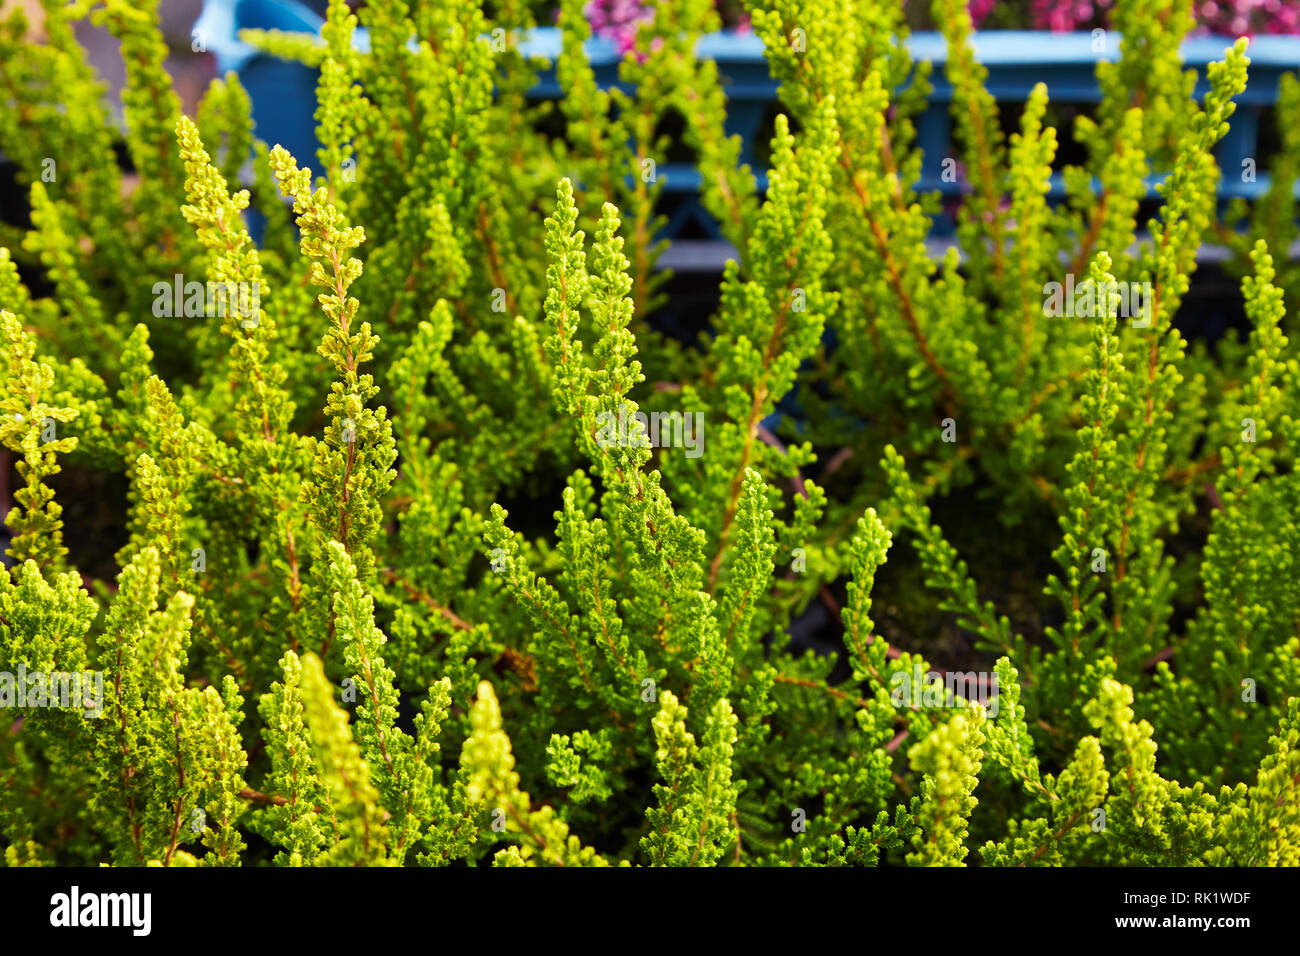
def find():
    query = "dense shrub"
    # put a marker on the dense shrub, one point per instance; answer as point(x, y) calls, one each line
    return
point(347, 628)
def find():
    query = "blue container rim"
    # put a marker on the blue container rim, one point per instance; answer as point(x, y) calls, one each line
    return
point(221, 21)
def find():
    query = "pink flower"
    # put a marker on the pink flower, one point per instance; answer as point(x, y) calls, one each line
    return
point(617, 20)
point(1249, 17)
point(979, 9)
point(1062, 17)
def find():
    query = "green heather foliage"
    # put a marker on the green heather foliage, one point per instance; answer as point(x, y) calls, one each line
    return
point(345, 627)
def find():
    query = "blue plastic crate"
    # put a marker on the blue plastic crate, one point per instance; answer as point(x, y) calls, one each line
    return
point(283, 94)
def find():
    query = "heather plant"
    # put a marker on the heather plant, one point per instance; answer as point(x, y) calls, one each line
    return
point(390, 591)
point(619, 19)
